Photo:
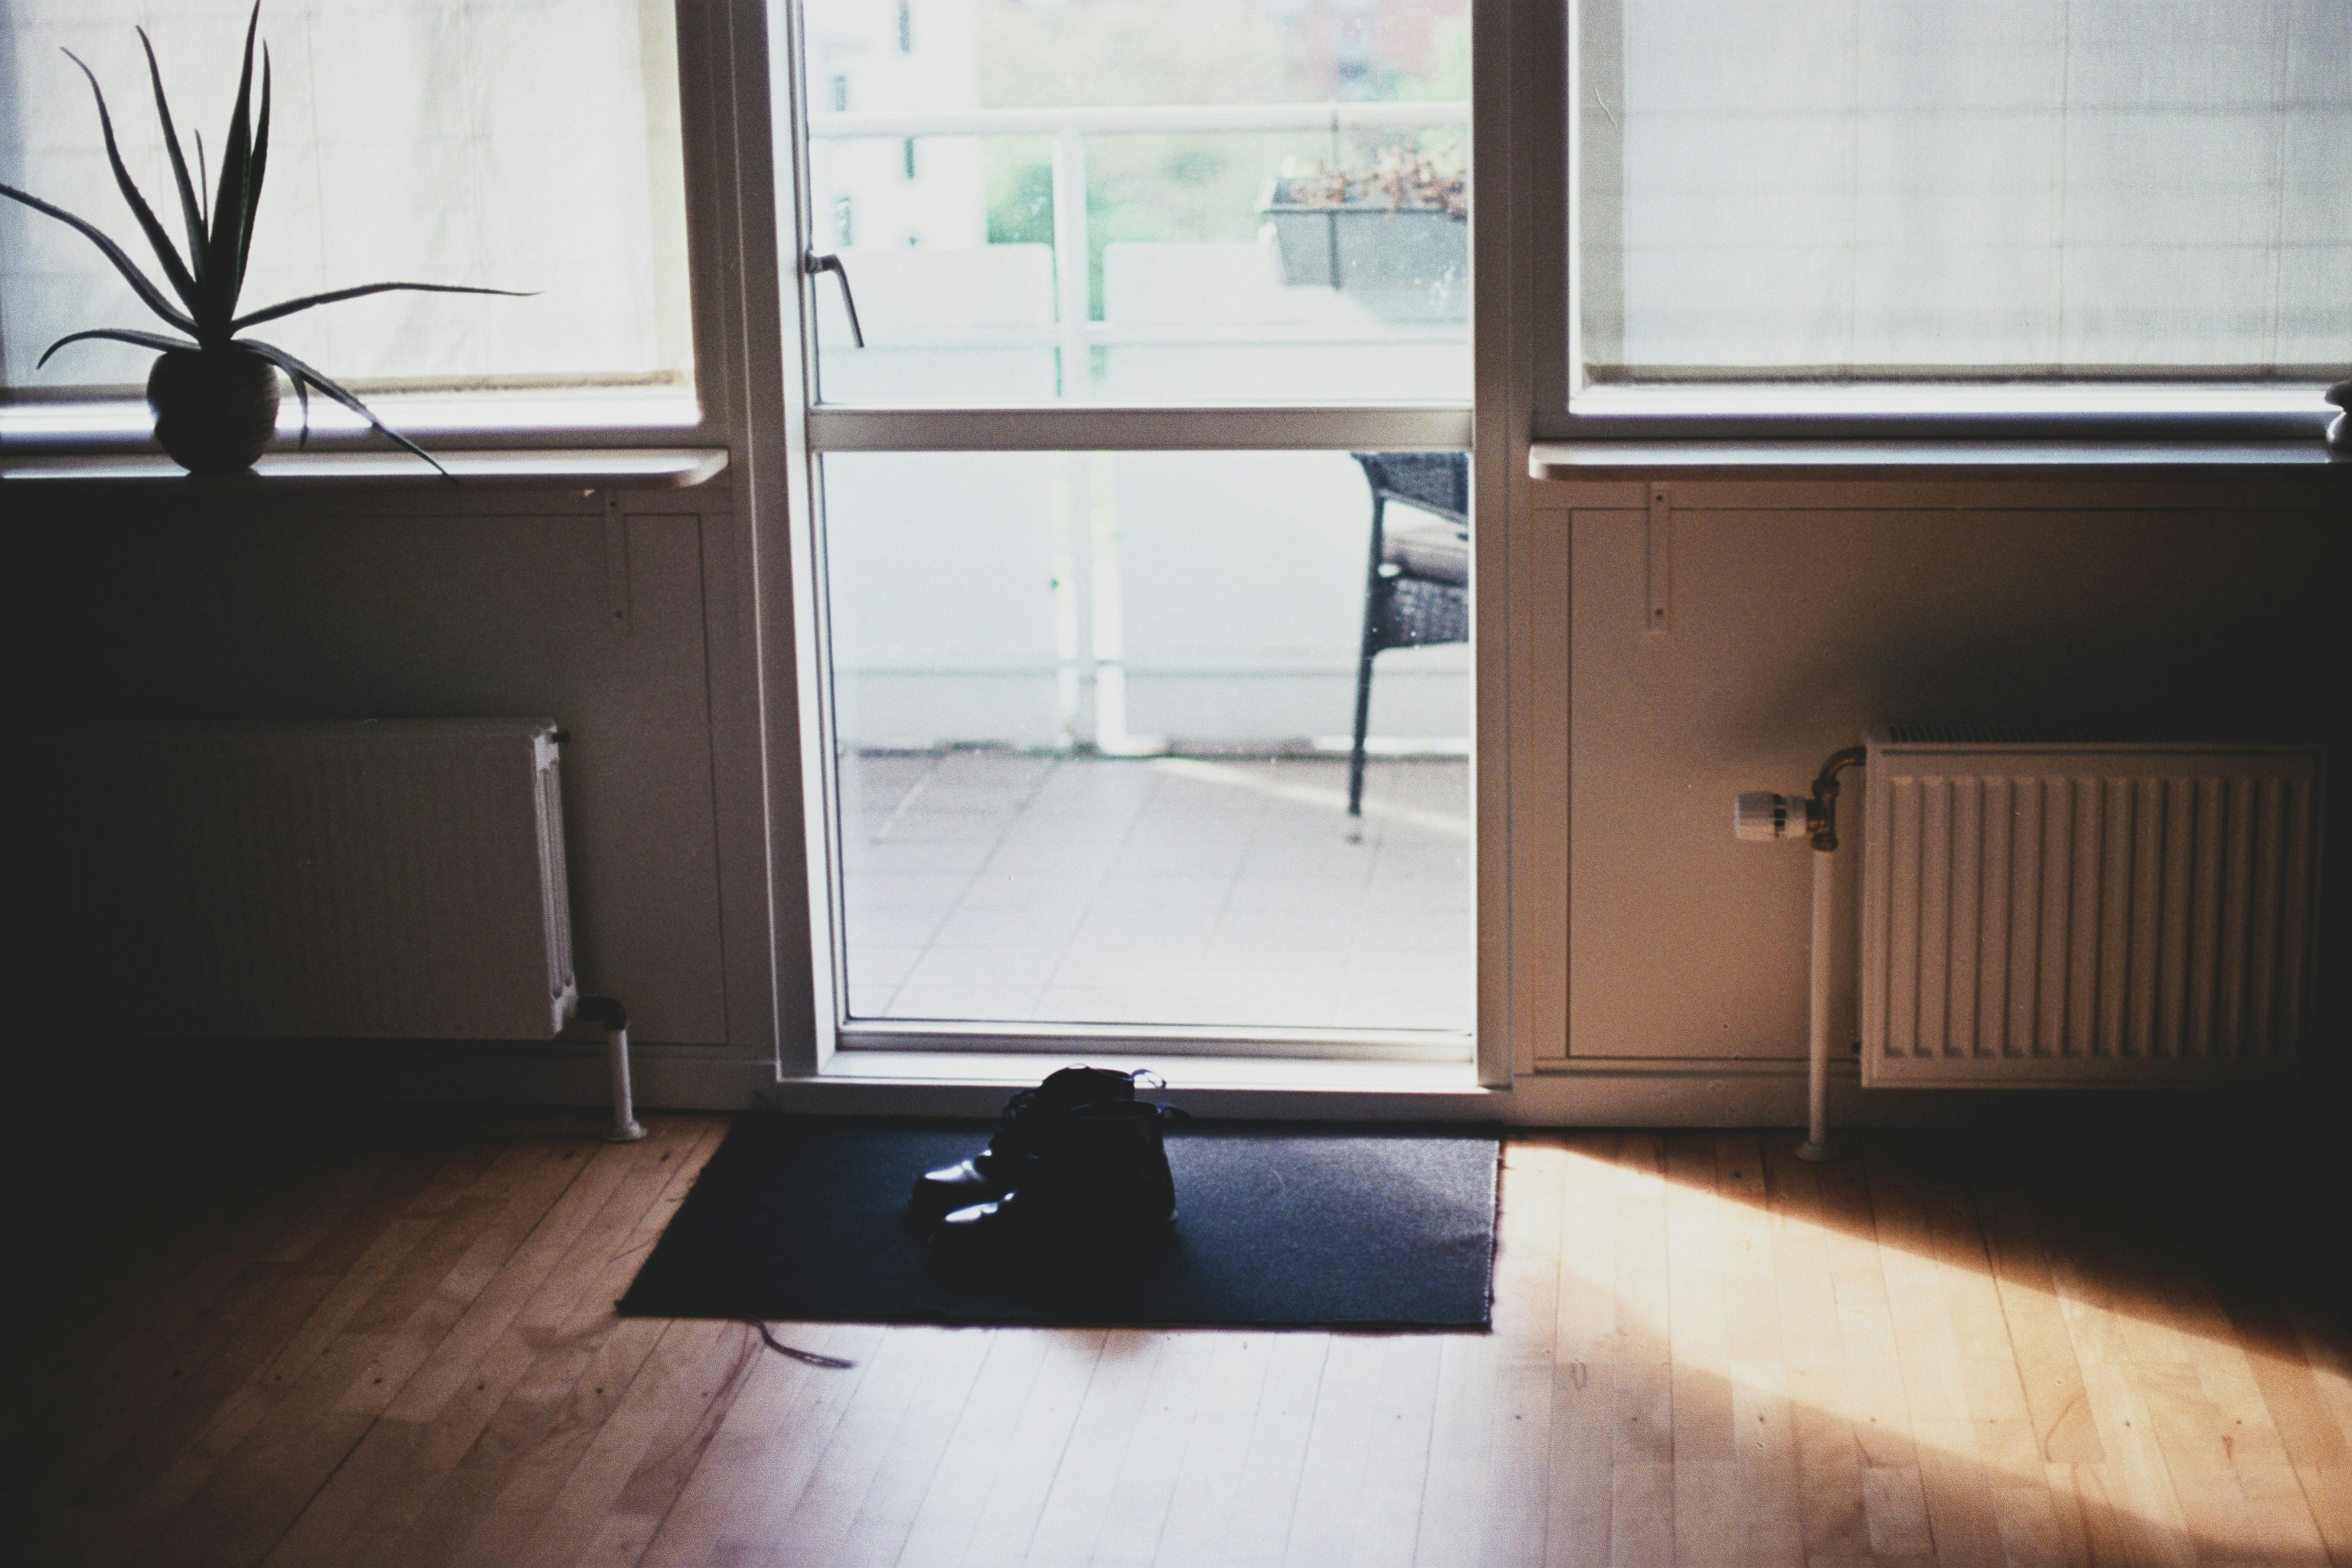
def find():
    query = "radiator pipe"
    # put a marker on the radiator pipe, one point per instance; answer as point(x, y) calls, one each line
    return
point(1821, 823)
point(1762, 816)
point(608, 1014)
point(1816, 1146)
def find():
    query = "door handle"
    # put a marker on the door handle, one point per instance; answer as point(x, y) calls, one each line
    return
point(812, 263)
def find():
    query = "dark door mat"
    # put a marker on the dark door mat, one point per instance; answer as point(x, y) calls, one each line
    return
point(804, 1218)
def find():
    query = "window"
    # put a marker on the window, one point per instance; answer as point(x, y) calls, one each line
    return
point(476, 141)
point(2116, 190)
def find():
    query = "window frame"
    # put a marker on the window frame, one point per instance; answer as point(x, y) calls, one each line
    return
point(1498, 448)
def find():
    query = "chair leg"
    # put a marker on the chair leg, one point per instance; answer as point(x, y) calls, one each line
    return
point(1363, 717)
point(1370, 645)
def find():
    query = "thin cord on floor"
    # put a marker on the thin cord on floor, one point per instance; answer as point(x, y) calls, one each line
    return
point(811, 1357)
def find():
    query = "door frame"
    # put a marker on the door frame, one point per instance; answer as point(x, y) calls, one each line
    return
point(1518, 689)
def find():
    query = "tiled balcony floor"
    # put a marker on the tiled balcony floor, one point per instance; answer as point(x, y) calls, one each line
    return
point(993, 885)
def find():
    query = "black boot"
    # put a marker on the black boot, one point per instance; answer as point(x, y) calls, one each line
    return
point(986, 1175)
point(1096, 1179)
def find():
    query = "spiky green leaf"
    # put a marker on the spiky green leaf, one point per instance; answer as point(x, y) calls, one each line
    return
point(308, 302)
point(261, 167)
point(154, 299)
point(231, 216)
point(174, 269)
point(190, 212)
point(113, 334)
point(300, 372)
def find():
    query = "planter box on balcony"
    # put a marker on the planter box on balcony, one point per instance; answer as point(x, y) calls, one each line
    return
point(1401, 252)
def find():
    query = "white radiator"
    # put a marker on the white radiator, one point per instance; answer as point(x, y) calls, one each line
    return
point(2039, 912)
point(397, 879)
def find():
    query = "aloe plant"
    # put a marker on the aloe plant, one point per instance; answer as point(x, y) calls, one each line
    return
point(208, 280)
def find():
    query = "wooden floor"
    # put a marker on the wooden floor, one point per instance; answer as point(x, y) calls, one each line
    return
point(387, 1338)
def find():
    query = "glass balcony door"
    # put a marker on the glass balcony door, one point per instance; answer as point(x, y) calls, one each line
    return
point(1133, 283)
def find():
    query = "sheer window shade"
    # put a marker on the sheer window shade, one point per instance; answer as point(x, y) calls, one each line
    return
point(1879, 189)
point(520, 144)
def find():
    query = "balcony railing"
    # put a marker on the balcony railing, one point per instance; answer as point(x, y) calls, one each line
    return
point(1076, 333)
point(1091, 600)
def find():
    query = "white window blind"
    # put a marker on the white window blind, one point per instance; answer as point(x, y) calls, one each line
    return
point(1885, 189)
point(517, 144)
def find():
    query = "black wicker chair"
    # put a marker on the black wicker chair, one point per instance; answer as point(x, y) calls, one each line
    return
point(1417, 586)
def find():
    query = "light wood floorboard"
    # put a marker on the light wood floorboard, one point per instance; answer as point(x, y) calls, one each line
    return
point(387, 1338)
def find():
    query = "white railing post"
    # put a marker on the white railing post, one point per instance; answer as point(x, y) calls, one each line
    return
point(1072, 309)
point(1073, 685)
point(1070, 261)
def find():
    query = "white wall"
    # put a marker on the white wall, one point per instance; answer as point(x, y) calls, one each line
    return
point(500, 606)
point(1800, 617)
point(1797, 620)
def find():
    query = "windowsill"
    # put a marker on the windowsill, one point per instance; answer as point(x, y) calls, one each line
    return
point(572, 418)
point(1938, 415)
point(2041, 459)
point(582, 468)
point(1957, 399)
